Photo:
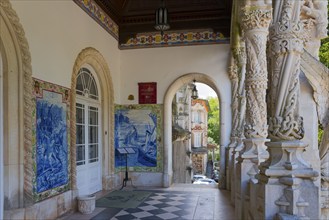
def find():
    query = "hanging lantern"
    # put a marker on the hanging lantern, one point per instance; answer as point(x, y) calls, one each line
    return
point(161, 19)
point(195, 94)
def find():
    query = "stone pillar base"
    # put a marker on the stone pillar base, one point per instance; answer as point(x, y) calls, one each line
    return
point(231, 161)
point(325, 204)
point(242, 179)
point(167, 180)
point(246, 169)
point(287, 183)
point(235, 154)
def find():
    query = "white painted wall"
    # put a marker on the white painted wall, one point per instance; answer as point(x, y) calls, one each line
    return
point(56, 32)
point(165, 65)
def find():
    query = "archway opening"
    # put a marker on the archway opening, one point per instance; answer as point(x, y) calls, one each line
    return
point(169, 151)
point(195, 140)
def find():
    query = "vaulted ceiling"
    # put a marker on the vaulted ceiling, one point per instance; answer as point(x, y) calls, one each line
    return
point(138, 16)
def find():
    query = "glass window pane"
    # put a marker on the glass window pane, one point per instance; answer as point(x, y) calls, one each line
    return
point(93, 90)
point(91, 108)
point(87, 81)
point(86, 84)
point(80, 134)
point(80, 154)
point(79, 86)
point(80, 114)
point(93, 134)
point(93, 116)
point(93, 153)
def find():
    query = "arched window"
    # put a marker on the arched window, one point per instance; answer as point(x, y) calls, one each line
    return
point(86, 84)
point(88, 139)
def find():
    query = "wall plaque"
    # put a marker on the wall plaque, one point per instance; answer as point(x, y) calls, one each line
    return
point(147, 93)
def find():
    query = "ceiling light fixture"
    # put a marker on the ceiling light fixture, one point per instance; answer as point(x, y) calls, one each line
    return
point(161, 18)
point(194, 91)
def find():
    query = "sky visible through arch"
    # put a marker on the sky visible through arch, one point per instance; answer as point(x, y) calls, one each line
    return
point(205, 91)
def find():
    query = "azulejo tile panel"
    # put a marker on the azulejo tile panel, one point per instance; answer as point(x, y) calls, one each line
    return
point(139, 128)
point(92, 9)
point(155, 39)
point(50, 139)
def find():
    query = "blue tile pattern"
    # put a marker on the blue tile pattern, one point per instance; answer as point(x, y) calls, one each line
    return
point(51, 142)
point(136, 128)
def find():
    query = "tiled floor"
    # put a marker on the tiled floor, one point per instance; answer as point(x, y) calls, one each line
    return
point(181, 201)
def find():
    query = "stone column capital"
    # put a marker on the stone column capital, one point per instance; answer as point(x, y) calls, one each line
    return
point(256, 17)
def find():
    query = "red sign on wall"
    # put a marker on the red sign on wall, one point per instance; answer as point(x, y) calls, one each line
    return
point(147, 93)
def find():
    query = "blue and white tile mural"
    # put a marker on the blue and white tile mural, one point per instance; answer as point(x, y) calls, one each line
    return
point(137, 128)
point(50, 140)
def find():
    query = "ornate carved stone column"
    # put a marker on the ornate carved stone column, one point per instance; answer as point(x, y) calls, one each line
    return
point(286, 181)
point(238, 108)
point(233, 74)
point(256, 18)
point(315, 19)
point(237, 76)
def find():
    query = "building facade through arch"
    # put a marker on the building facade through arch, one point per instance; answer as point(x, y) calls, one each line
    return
point(171, 91)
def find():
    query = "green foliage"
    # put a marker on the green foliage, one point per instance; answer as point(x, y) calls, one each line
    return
point(324, 49)
point(324, 58)
point(213, 120)
point(217, 154)
point(320, 134)
point(324, 52)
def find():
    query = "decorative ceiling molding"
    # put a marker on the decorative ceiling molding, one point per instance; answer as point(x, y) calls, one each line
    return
point(94, 11)
point(150, 39)
point(175, 38)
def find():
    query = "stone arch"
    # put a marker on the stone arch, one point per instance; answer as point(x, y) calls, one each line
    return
point(170, 93)
point(17, 71)
point(95, 59)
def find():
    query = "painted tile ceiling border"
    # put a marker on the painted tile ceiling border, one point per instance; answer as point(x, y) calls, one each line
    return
point(176, 38)
point(94, 11)
point(152, 39)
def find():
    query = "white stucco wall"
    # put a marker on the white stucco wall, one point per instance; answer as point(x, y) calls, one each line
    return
point(165, 65)
point(171, 68)
point(56, 32)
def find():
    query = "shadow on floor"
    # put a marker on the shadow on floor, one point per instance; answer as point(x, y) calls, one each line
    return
point(181, 201)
